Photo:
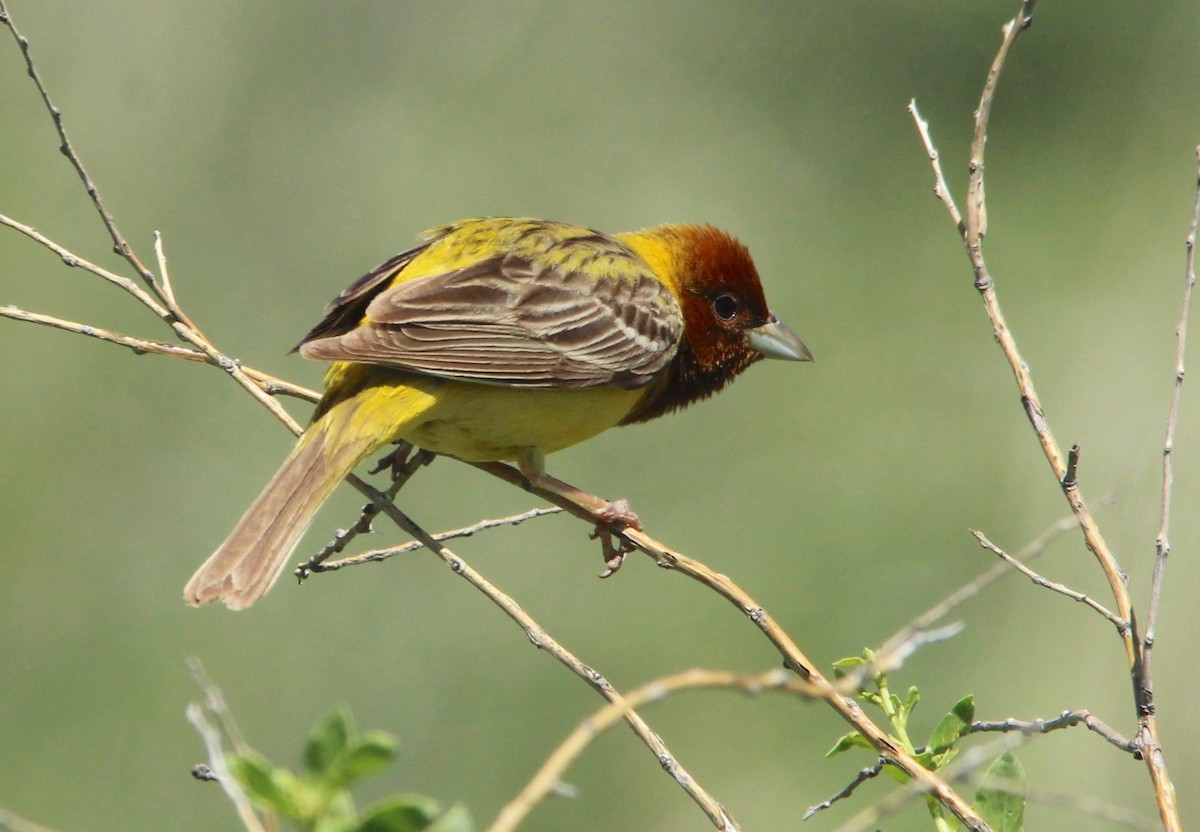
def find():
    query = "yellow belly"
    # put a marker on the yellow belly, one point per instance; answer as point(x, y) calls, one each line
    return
point(474, 422)
point(481, 423)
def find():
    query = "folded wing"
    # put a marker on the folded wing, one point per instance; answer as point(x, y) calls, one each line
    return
point(508, 321)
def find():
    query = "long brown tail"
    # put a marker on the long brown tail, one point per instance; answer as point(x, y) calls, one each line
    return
point(251, 559)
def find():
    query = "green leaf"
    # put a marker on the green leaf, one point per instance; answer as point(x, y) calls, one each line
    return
point(953, 726)
point(965, 708)
point(327, 740)
point(914, 696)
point(848, 741)
point(262, 784)
point(873, 698)
point(403, 813)
point(1001, 795)
point(362, 758)
point(849, 661)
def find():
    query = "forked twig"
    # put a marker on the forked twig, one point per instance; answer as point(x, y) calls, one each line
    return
point(868, 773)
point(1121, 624)
point(378, 555)
point(973, 228)
point(1066, 719)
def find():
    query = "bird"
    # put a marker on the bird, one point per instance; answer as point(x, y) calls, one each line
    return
point(506, 339)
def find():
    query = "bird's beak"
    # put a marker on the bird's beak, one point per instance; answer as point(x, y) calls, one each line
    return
point(774, 340)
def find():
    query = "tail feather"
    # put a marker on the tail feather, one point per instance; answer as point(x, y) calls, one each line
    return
point(251, 559)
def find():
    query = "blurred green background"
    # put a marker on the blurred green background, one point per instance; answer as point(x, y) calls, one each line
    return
point(284, 148)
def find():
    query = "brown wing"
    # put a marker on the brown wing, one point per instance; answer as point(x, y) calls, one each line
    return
point(345, 311)
point(505, 321)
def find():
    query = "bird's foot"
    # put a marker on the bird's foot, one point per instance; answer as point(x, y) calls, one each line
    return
point(611, 514)
point(394, 461)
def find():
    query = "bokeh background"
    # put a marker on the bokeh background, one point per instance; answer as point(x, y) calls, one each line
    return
point(284, 148)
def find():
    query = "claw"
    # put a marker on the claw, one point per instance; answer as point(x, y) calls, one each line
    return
point(614, 556)
point(396, 460)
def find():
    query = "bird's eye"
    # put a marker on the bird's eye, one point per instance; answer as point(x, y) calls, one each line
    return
point(726, 306)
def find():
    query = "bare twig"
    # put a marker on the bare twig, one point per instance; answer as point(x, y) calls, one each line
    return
point(1121, 624)
point(403, 464)
point(796, 660)
point(198, 715)
point(969, 590)
point(549, 776)
point(716, 813)
point(940, 189)
point(272, 385)
point(1066, 719)
point(1162, 543)
point(969, 761)
point(973, 229)
point(120, 246)
point(466, 531)
point(863, 776)
point(215, 704)
point(897, 654)
point(193, 337)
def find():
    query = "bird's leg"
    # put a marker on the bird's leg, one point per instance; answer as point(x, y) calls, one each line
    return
point(608, 514)
point(396, 460)
point(403, 462)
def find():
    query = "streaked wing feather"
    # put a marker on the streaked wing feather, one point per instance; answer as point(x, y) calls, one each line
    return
point(504, 321)
point(345, 311)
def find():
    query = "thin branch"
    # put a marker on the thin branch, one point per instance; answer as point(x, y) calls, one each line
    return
point(969, 761)
point(942, 608)
point(1162, 543)
point(716, 813)
point(75, 261)
point(221, 773)
point(973, 229)
point(863, 776)
point(1121, 624)
point(794, 659)
point(548, 778)
point(896, 654)
point(211, 734)
point(215, 704)
point(140, 346)
point(272, 385)
point(120, 245)
point(376, 555)
point(1066, 719)
point(192, 336)
point(402, 466)
point(940, 189)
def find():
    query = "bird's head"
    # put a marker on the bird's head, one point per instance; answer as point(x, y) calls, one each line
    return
point(727, 324)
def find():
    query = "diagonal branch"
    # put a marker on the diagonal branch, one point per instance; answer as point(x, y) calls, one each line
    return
point(549, 776)
point(716, 813)
point(794, 659)
point(1121, 624)
point(120, 245)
